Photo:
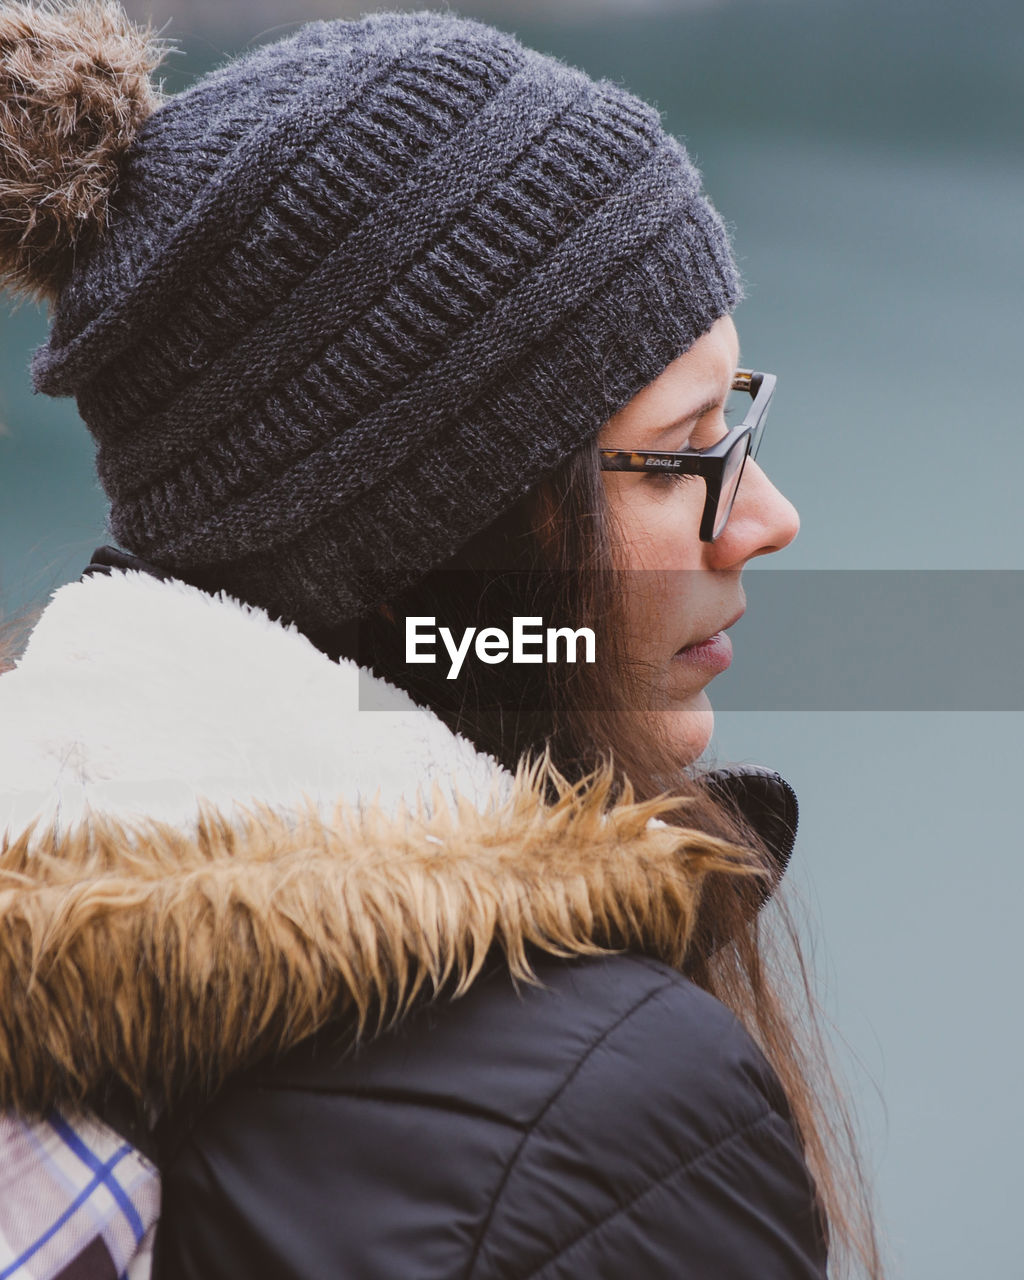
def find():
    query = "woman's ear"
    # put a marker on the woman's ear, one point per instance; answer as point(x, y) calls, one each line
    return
point(386, 612)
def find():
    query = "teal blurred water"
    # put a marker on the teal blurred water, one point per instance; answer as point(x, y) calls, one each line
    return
point(869, 161)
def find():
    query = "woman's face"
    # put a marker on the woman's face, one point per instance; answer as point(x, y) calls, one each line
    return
point(680, 593)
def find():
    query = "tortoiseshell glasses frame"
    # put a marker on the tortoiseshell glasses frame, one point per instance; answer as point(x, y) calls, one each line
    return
point(721, 464)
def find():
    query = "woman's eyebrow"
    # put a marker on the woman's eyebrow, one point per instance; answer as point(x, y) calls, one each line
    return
point(709, 406)
point(692, 415)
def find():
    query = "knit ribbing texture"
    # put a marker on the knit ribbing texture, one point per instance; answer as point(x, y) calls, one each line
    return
point(361, 290)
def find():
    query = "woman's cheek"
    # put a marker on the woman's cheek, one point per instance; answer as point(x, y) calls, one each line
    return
point(673, 540)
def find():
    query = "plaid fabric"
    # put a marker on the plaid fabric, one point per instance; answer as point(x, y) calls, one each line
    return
point(77, 1202)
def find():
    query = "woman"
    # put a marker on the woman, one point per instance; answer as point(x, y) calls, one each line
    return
point(389, 325)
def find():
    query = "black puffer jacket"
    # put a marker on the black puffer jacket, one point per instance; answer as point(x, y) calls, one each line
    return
point(616, 1124)
point(610, 1121)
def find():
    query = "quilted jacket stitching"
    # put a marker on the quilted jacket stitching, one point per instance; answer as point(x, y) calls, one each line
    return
point(577, 1066)
point(679, 1169)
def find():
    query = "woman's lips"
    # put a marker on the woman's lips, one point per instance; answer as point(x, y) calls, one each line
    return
point(712, 655)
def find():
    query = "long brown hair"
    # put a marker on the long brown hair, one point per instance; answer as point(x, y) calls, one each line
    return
point(551, 555)
point(14, 633)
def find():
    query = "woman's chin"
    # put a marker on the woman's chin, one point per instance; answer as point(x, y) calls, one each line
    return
point(686, 726)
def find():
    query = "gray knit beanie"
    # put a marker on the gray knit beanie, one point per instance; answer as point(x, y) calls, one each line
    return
point(352, 295)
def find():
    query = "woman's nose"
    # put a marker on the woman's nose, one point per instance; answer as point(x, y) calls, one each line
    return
point(763, 520)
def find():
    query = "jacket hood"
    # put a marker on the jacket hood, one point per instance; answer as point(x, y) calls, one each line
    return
point(211, 846)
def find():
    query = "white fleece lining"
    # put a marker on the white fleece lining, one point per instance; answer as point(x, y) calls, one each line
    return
point(137, 697)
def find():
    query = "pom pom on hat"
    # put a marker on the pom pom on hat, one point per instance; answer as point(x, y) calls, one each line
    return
point(74, 91)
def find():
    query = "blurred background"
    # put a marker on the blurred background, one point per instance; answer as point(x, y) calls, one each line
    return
point(867, 156)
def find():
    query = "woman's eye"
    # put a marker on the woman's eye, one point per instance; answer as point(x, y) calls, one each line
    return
point(705, 434)
point(670, 478)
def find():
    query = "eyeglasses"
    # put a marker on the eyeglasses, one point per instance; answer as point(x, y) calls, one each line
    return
point(721, 465)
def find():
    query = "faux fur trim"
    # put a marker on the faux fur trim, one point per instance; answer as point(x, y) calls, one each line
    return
point(169, 962)
point(209, 848)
